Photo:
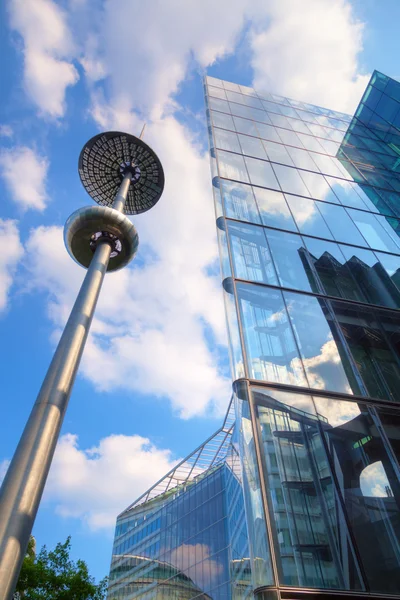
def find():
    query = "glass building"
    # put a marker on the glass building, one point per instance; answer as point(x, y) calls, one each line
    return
point(298, 494)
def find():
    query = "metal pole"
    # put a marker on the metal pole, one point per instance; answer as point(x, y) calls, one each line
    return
point(24, 482)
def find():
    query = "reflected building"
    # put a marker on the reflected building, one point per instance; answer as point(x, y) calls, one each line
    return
point(298, 494)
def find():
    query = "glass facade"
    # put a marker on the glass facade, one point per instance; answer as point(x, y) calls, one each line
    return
point(305, 496)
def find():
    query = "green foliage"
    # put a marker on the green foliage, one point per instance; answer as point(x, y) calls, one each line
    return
point(52, 575)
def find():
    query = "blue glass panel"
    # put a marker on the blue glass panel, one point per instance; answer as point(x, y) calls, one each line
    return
point(261, 173)
point(341, 224)
point(226, 140)
point(307, 216)
point(290, 180)
point(273, 209)
point(272, 354)
point(239, 202)
point(290, 258)
point(250, 253)
point(232, 166)
point(376, 231)
point(252, 146)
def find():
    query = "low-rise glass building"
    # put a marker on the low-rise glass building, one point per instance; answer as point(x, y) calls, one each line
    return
point(300, 493)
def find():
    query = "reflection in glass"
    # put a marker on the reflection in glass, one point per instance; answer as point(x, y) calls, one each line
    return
point(232, 166)
point(307, 216)
point(334, 274)
point(291, 259)
point(290, 180)
point(341, 224)
point(314, 545)
point(373, 341)
point(273, 209)
point(252, 146)
point(245, 126)
point(226, 140)
point(222, 120)
point(251, 256)
point(369, 487)
point(325, 355)
point(259, 549)
point(261, 173)
point(239, 201)
point(272, 354)
point(376, 231)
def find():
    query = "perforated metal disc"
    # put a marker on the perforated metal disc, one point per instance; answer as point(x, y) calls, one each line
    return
point(101, 170)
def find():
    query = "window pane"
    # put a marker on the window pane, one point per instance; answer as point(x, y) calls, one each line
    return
point(239, 202)
point(335, 275)
point(251, 256)
point(376, 231)
point(216, 92)
point(313, 542)
point(245, 126)
point(271, 350)
point(368, 485)
point(302, 159)
point(217, 104)
point(307, 216)
point(374, 358)
point(227, 140)
point(378, 285)
point(261, 173)
point(290, 180)
point(346, 191)
point(268, 132)
point(252, 146)
point(318, 342)
point(290, 138)
point(290, 258)
point(341, 225)
point(222, 120)
point(232, 166)
point(277, 153)
point(318, 186)
point(273, 209)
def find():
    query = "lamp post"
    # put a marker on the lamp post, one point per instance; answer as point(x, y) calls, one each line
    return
point(124, 176)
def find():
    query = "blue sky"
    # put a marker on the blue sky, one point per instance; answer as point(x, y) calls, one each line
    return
point(154, 380)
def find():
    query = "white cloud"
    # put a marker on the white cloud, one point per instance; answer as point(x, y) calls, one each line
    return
point(48, 48)
point(10, 255)
point(96, 484)
point(25, 174)
point(309, 51)
point(157, 324)
point(6, 131)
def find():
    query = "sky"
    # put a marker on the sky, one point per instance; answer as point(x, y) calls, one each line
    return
point(154, 381)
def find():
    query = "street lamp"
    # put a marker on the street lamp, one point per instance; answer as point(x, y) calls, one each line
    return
point(124, 176)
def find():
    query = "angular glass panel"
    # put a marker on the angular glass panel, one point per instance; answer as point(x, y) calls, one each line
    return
point(268, 132)
point(272, 353)
point(222, 120)
point(291, 259)
point(245, 126)
point(313, 543)
point(273, 209)
point(235, 347)
point(375, 359)
point(325, 357)
point(377, 284)
point(307, 216)
point(302, 159)
point(376, 231)
point(277, 153)
point(318, 187)
point(334, 275)
point(226, 140)
point(341, 225)
point(252, 146)
point(258, 540)
point(216, 92)
point(250, 253)
point(346, 191)
point(290, 180)
point(239, 202)
point(369, 486)
point(232, 166)
point(218, 104)
point(261, 173)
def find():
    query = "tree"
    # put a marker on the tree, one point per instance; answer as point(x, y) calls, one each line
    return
point(52, 575)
